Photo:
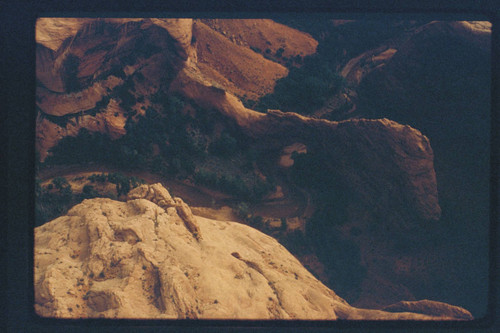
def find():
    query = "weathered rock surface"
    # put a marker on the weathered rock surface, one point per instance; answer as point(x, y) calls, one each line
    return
point(387, 164)
point(430, 307)
point(52, 32)
point(99, 60)
point(237, 69)
point(160, 196)
point(82, 63)
point(136, 259)
point(266, 35)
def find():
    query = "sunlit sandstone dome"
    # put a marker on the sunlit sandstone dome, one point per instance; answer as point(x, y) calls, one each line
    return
point(150, 257)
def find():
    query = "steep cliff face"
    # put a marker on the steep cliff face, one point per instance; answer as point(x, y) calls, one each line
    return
point(267, 36)
point(237, 69)
point(418, 77)
point(99, 72)
point(385, 163)
point(150, 257)
point(52, 32)
point(439, 81)
point(84, 63)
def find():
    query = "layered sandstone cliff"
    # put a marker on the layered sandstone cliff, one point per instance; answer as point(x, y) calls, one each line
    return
point(82, 64)
point(150, 257)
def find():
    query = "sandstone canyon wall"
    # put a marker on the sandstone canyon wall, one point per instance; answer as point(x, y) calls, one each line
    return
point(87, 71)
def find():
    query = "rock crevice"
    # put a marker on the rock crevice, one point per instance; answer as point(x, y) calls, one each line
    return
point(160, 196)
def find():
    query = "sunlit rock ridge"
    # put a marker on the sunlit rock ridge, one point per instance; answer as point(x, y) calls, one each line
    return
point(150, 257)
point(83, 63)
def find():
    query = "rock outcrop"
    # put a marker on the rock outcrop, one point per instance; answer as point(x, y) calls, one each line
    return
point(385, 163)
point(439, 81)
point(137, 259)
point(102, 64)
point(388, 164)
point(264, 35)
point(82, 64)
point(52, 32)
point(430, 307)
point(160, 196)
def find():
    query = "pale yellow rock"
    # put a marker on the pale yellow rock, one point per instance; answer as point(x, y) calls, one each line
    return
point(136, 259)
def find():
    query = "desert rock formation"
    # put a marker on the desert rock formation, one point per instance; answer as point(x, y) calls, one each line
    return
point(265, 34)
point(429, 307)
point(385, 170)
point(439, 81)
point(83, 64)
point(139, 259)
point(377, 158)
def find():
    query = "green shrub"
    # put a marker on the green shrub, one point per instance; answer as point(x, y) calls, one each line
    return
point(204, 177)
point(121, 181)
point(60, 183)
point(101, 178)
point(174, 166)
point(243, 210)
point(255, 49)
point(225, 146)
point(49, 205)
point(88, 192)
point(256, 221)
point(305, 89)
point(283, 224)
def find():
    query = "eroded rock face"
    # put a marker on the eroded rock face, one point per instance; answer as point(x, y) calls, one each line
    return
point(265, 35)
point(160, 196)
point(84, 82)
point(389, 165)
point(439, 81)
point(430, 307)
point(237, 69)
point(83, 63)
point(136, 259)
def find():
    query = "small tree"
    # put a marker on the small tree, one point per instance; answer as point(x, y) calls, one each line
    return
point(60, 183)
point(225, 146)
point(283, 224)
point(243, 211)
point(88, 191)
point(279, 52)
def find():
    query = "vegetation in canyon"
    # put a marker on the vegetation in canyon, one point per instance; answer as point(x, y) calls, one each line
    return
point(166, 103)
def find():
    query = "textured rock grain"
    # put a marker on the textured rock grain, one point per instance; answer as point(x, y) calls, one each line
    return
point(136, 259)
point(430, 307)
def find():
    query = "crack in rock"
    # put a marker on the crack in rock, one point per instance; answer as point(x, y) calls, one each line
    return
point(256, 267)
point(157, 194)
